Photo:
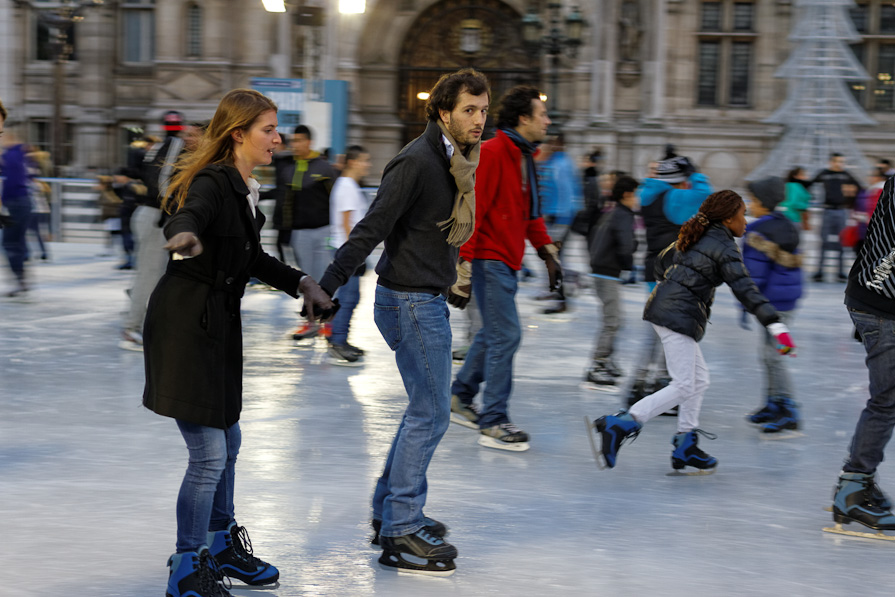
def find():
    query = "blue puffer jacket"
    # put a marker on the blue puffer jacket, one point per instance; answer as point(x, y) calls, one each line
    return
point(682, 301)
point(771, 254)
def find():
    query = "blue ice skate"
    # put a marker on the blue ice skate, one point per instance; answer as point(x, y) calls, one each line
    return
point(785, 418)
point(765, 414)
point(195, 574)
point(687, 453)
point(613, 430)
point(232, 549)
point(855, 501)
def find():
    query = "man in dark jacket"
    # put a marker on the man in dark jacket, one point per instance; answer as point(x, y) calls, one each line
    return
point(506, 215)
point(304, 180)
point(611, 247)
point(424, 210)
point(870, 298)
point(840, 190)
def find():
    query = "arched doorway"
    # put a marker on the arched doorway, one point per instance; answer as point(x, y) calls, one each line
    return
point(454, 34)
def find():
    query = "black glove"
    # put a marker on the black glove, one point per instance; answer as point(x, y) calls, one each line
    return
point(184, 245)
point(318, 305)
point(550, 254)
point(458, 294)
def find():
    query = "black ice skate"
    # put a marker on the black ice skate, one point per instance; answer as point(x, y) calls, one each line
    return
point(687, 454)
point(856, 498)
point(463, 414)
point(418, 553)
point(599, 378)
point(431, 525)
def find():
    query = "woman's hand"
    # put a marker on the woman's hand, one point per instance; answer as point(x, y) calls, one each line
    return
point(185, 244)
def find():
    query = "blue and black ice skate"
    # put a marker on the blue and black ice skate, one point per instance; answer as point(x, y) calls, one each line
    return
point(613, 431)
point(687, 454)
point(857, 498)
point(195, 574)
point(232, 549)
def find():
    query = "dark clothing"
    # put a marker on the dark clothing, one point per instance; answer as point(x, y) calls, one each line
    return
point(771, 255)
point(416, 193)
point(158, 166)
point(833, 181)
point(660, 233)
point(16, 179)
point(682, 302)
point(871, 283)
point(612, 243)
point(193, 334)
point(302, 202)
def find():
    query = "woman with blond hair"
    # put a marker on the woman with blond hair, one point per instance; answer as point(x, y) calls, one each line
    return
point(193, 335)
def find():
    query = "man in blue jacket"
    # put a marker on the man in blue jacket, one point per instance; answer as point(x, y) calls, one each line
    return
point(771, 254)
point(668, 198)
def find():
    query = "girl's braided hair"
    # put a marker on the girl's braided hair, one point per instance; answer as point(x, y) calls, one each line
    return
point(716, 208)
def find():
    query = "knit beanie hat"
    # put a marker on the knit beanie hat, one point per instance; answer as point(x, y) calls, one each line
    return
point(768, 191)
point(674, 170)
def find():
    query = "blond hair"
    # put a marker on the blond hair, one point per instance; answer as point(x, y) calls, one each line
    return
point(238, 110)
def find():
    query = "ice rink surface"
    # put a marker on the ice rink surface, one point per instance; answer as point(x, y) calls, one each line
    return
point(88, 478)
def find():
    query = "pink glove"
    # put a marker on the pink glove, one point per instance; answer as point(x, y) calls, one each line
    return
point(785, 345)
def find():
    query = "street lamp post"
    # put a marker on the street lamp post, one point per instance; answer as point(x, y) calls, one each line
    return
point(554, 43)
point(59, 20)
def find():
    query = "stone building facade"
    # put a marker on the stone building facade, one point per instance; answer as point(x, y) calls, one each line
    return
point(695, 73)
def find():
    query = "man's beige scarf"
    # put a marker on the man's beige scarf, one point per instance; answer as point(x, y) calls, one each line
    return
point(462, 220)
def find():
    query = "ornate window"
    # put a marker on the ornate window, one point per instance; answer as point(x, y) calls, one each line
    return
point(726, 40)
point(194, 31)
point(875, 21)
point(138, 31)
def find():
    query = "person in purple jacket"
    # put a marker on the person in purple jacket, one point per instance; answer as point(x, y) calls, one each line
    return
point(771, 254)
point(16, 201)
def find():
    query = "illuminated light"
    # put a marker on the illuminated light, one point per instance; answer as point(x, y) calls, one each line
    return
point(422, 95)
point(543, 97)
point(352, 7)
point(274, 5)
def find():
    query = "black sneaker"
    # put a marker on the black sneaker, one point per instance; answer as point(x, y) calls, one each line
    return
point(342, 355)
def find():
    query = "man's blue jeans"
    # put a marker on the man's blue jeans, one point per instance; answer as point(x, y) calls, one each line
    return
point(416, 326)
point(205, 501)
point(349, 297)
point(490, 358)
point(875, 424)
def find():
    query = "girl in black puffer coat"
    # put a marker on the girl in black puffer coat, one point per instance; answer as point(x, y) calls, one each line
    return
point(704, 256)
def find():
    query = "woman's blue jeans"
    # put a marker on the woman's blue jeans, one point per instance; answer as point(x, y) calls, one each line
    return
point(205, 501)
point(416, 326)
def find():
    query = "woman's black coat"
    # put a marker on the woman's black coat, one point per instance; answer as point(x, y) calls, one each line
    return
point(193, 335)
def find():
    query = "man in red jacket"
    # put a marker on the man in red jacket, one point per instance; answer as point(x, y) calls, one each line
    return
point(507, 212)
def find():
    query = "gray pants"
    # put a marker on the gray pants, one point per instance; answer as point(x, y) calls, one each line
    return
point(832, 224)
point(775, 364)
point(151, 262)
point(310, 246)
point(608, 292)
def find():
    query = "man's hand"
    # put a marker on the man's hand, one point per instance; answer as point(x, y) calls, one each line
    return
point(458, 294)
point(550, 255)
point(185, 244)
point(318, 305)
